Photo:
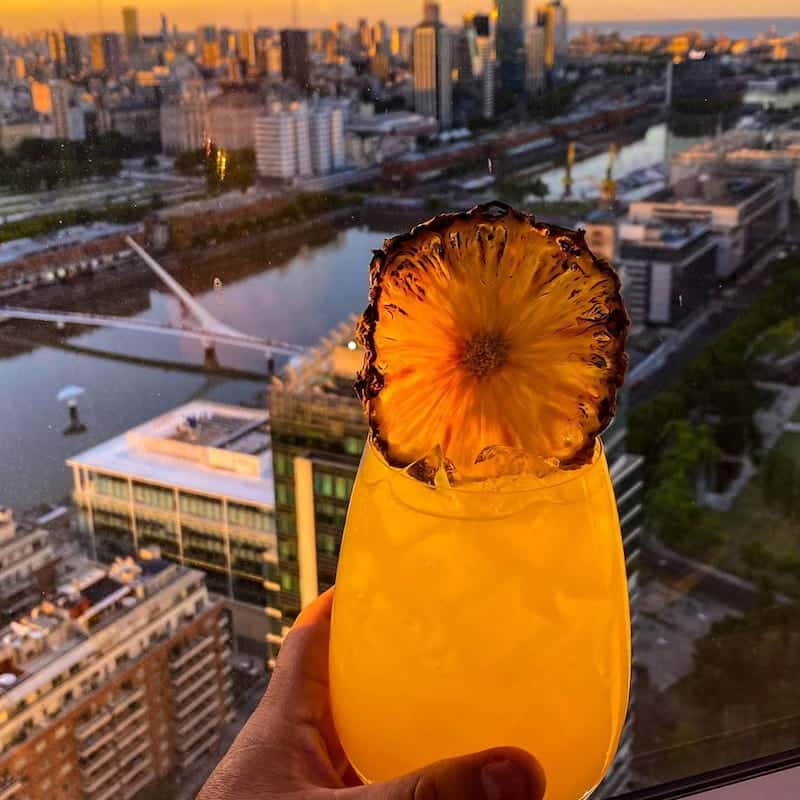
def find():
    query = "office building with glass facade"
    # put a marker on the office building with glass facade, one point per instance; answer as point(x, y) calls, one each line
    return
point(197, 483)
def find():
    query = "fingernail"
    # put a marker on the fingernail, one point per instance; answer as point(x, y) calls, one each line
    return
point(505, 780)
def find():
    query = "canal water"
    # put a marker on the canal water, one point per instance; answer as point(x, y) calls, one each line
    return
point(293, 294)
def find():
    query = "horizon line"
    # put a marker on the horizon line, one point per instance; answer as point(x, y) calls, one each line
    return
point(579, 21)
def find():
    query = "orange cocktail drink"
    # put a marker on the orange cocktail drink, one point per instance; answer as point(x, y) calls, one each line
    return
point(481, 593)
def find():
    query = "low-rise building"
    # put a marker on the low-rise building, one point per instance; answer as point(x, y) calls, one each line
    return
point(137, 119)
point(747, 210)
point(27, 566)
point(746, 149)
point(374, 138)
point(667, 270)
point(197, 483)
point(15, 130)
point(119, 678)
point(181, 226)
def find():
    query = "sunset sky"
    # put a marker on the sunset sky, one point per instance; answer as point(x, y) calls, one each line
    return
point(82, 15)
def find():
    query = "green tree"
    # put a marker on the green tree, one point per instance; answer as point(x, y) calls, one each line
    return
point(539, 188)
point(780, 480)
point(671, 501)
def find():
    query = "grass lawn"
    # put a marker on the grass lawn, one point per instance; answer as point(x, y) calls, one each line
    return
point(751, 525)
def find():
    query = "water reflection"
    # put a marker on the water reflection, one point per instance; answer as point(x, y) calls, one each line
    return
point(294, 292)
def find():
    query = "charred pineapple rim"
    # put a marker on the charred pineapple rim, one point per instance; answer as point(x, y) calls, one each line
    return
point(506, 485)
point(483, 353)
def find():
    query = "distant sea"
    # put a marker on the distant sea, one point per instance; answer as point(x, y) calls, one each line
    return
point(733, 27)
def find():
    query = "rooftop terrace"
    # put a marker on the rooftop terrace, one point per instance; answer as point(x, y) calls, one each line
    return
point(210, 448)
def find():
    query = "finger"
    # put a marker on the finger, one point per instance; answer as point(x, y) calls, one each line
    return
point(317, 612)
point(503, 773)
point(296, 707)
point(298, 689)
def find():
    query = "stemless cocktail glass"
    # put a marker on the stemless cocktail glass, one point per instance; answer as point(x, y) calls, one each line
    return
point(482, 615)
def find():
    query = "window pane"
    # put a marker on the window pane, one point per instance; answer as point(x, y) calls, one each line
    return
point(261, 157)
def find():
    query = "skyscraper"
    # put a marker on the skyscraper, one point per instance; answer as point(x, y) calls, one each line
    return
point(105, 51)
point(510, 44)
point(247, 48)
point(294, 58)
point(208, 46)
point(401, 44)
point(480, 29)
point(554, 19)
point(56, 50)
point(432, 55)
point(535, 51)
point(130, 27)
point(72, 50)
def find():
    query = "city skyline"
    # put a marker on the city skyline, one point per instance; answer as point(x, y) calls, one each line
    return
point(22, 16)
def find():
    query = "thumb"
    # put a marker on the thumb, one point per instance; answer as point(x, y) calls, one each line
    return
point(502, 773)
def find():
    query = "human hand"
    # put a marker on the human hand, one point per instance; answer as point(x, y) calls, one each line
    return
point(289, 747)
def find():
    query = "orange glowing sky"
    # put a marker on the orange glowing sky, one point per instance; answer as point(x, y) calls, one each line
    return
point(82, 15)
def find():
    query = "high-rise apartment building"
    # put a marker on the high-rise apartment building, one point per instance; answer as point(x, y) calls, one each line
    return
point(57, 52)
point(535, 58)
point(105, 54)
point(67, 114)
point(363, 34)
point(283, 143)
point(197, 483)
point(130, 29)
point(510, 44)
point(295, 64)
point(380, 37)
point(554, 19)
point(27, 564)
point(298, 141)
point(320, 139)
point(338, 142)
point(72, 50)
point(118, 679)
point(208, 46)
point(401, 44)
point(318, 432)
point(184, 117)
point(246, 47)
point(627, 476)
point(271, 58)
point(480, 55)
point(275, 145)
point(432, 65)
